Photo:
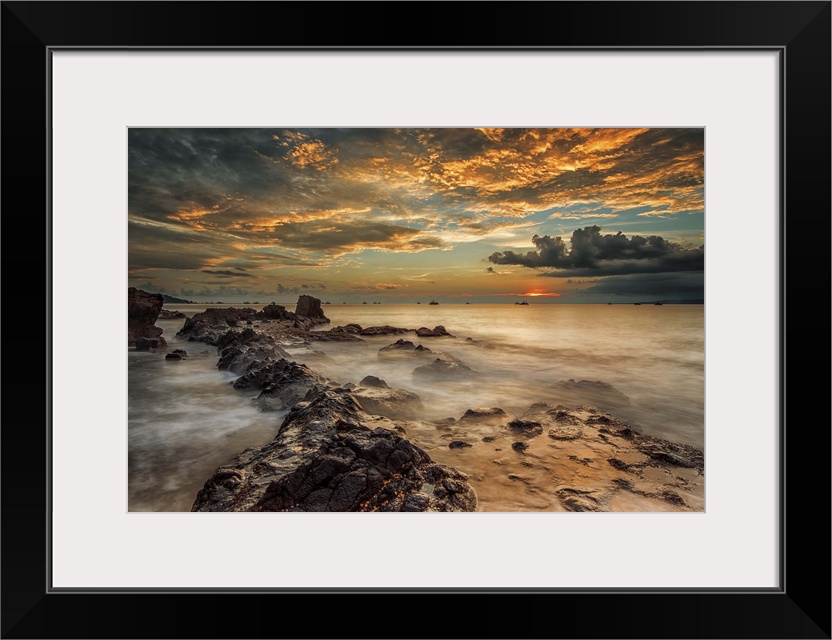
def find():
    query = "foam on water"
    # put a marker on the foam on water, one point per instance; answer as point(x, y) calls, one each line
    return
point(185, 419)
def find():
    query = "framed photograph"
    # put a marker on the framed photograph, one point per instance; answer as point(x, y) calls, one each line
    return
point(548, 270)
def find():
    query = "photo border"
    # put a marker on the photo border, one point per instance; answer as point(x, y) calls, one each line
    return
point(798, 30)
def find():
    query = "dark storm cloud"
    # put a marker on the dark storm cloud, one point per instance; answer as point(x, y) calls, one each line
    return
point(592, 254)
point(338, 237)
point(666, 285)
point(228, 274)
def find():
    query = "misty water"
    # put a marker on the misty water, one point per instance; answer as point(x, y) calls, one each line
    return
point(185, 418)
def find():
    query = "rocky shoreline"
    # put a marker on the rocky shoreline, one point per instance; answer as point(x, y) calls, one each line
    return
point(363, 446)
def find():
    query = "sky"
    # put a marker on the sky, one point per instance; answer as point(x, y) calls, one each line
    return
point(405, 215)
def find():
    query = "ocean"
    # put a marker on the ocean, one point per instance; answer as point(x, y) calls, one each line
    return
point(185, 419)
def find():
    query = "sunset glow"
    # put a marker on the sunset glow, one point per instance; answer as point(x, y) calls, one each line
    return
point(473, 214)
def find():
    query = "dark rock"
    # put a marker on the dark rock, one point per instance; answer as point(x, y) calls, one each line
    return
point(615, 463)
point(143, 310)
point(579, 499)
point(399, 345)
point(436, 332)
point(211, 325)
point(568, 432)
point(181, 352)
point(519, 447)
point(492, 415)
point(375, 397)
point(404, 349)
point(488, 439)
point(337, 464)
point(671, 496)
point(675, 454)
point(283, 383)
point(458, 444)
point(309, 307)
point(373, 381)
point(384, 330)
point(275, 312)
point(173, 356)
point(328, 336)
point(243, 357)
point(144, 344)
point(526, 427)
point(168, 314)
point(348, 328)
point(442, 369)
point(578, 503)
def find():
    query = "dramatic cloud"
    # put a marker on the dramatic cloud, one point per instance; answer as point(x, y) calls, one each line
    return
point(593, 254)
point(343, 205)
point(681, 286)
point(228, 274)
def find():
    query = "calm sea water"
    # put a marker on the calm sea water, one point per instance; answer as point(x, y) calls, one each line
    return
point(185, 419)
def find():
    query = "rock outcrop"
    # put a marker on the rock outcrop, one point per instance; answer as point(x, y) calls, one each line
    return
point(404, 350)
point(283, 383)
point(167, 314)
point(309, 307)
point(437, 332)
point(357, 329)
point(326, 458)
point(443, 369)
point(212, 325)
point(143, 310)
point(244, 350)
point(490, 415)
point(375, 397)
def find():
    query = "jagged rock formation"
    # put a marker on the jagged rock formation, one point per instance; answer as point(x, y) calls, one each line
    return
point(213, 323)
point(326, 458)
point(309, 307)
point(143, 310)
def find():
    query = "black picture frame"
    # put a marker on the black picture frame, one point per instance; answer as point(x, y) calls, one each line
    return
point(799, 608)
